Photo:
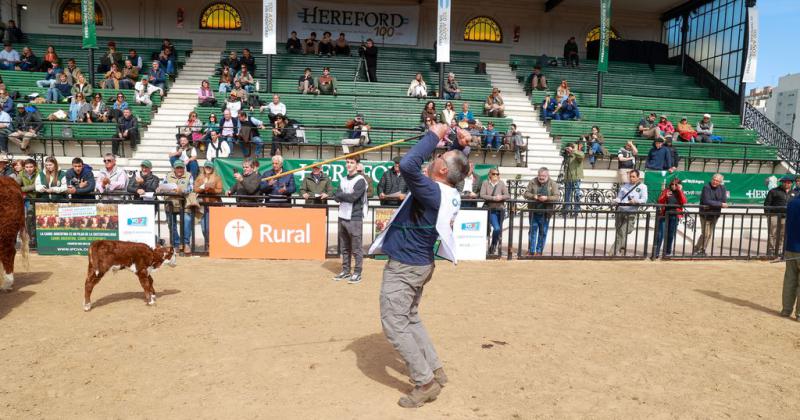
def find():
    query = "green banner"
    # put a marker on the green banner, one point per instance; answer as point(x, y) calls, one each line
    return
point(335, 170)
point(605, 29)
point(87, 19)
point(742, 188)
point(69, 229)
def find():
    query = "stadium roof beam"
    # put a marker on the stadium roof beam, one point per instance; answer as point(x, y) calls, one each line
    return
point(551, 4)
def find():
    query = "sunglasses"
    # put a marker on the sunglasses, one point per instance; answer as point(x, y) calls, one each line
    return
point(108, 160)
point(494, 173)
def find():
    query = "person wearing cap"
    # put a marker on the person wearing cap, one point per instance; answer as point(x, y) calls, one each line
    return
point(9, 57)
point(278, 190)
point(80, 180)
point(156, 76)
point(143, 181)
point(144, 90)
point(791, 277)
point(775, 210)
point(659, 158)
point(209, 186)
point(705, 129)
point(326, 84)
point(233, 103)
point(685, 131)
point(180, 184)
point(392, 188)
point(27, 124)
point(358, 133)
point(112, 179)
point(316, 187)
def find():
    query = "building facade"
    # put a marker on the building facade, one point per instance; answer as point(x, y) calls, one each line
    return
point(783, 107)
point(757, 98)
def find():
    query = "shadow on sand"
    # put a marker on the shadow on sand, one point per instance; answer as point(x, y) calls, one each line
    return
point(739, 302)
point(16, 297)
point(118, 297)
point(375, 356)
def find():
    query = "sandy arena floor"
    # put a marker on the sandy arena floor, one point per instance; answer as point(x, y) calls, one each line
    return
point(520, 340)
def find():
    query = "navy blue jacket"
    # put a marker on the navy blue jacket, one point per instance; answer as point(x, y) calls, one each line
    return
point(271, 191)
point(793, 226)
point(74, 180)
point(659, 159)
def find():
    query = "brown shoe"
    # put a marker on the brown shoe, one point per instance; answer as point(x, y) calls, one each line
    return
point(420, 395)
point(440, 377)
point(187, 249)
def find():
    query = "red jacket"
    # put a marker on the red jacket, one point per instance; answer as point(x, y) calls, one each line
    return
point(662, 199)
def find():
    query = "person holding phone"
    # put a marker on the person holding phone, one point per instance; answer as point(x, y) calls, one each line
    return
point(672, 199)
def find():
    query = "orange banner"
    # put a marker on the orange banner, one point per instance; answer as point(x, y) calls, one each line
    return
point(270, 233)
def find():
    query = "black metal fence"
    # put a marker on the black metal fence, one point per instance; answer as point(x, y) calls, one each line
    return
point(769, 133)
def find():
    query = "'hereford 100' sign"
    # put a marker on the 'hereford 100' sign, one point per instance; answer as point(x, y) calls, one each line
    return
point(383, 23)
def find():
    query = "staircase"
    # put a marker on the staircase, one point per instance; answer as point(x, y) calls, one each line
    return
point(159, 139)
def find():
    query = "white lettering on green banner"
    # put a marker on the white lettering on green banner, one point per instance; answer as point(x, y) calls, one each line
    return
point(605, 28)
point(87, 17)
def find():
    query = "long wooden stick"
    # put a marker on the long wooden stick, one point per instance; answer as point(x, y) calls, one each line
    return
point(342, 157)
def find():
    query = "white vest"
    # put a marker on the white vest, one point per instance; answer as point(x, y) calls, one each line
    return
point(449, 204)
point(347, 186)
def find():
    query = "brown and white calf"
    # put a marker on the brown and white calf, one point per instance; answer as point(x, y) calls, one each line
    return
point(116, 255)
point(12, 222)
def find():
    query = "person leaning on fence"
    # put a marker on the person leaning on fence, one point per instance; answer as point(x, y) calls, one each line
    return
point(112, 179)
point(542, 191)
point(179, 183)
point(248, 182)
point(209, 186)
point(352, 198)
point(791, 277)
point(80, 180)
point(278, 190)
point(775, 209)
point(712, 200)
point(143, 181)
point(51, 184)
point(392, 188)
point(629, 198)
point(672, 200)
point(495, 193)
point(316, 187)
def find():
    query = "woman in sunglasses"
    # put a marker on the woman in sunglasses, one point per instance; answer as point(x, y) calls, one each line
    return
point(495, 193)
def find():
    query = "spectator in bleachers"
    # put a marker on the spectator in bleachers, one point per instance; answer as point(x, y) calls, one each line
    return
point(358, 134)
point(516, 141)
point(494, 105)
point(53, 70)
point(495, 193)
point(245, 78)
point(279, 190)
point(130, 75)
point(232, 104)
point(229, 126)
point(469, 188)
point(144, 90)
point(341, 47)
point(248, 60)
point(240, 91)
point(167, 60)
point(79, 109)
point(475, 129)
point(99, 111)
point(685, 131)
point(180, 183)
point(225, 80)
point(630, 197)
point(119, 105)
point(231, 61)
point(193, 129)
point(563, 92)
point(316, 187)
point(429, 112)
point(135, 59)
point(27, 124)
point(282, 133)
point(59, 91)
point(648, 128)
point(352, 198)
point(211, 125)
point(573, 173)
point(548, 109)
point(205, 96)
point(370, 53)
point(293, 45)
point(5, 167)
point(775, 205)
point(659, 158)
point(465, 114)
point(326, 84)
point(705, 129)
point(186, 153)
point(673, 151)
point(80, 180)
point(666, 128)
point(28, 61)
point(9, 57)
point(127, 129)
point(275, 108)
point(568, 109)
point(112, 178)
point(537, 80)
point(72, 71)
point(542, 191)
point(166, 43)
point(392, 188)
point(626, 160)
point(51, 182)
point(50, 57)
point(156, 76)
point(306, 82)
point(310, 44)
point(217, 148)
point(6, 102)
point(417, 88)
point(5, 130)
point(571, 53)
point(713, 199)
point(143, 181)
point(110, 57)
point(491, 138)
point(82, 86)
point(209, 184)
point(448, 114)
point(672, 199)
point(248, 134)
point(325, 47)
point(595, 144)
point(451, 89)
point(14, 33)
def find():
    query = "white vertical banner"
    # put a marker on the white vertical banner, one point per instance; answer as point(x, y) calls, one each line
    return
point(443, 32)
point(751, 62)
point(137, 223)
point(469, 231)
point(269, 35)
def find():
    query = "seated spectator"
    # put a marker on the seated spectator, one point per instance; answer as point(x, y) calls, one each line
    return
point(248, 134)
point(127, 129)
point(293, 45)
point(80, 180)
point(240, 91)
point(50, 57)
point(248, 60)
point(666, 128)
point(279, 190)
point(676, 158)
point(306, 82)
point(28, 61)
point(232, 104)
point(469, 188)
point(451, 89)
point(79, 109)
point(448, 113)
point(225, 80)
point(571, 53)
point(51, 183)
point(82, 86)
point(705, 129)
point(130, 75)
point(231, 61)
point(205, 96)
point(27, 124)
point(9, 57)
point(6, 103)
point(136, 60)
point(494, 105)
point(548, 108)
point(99, 112)
point(568, 109)
point(417, 88)
point(495, 193)
point(326, 84)
point(216, 147)
point(59, 91)
point(475, 129)
point(537, 80)
point(186, 153)
point(325, 46)
point(594, 142)
point(157, 77)
point(275, 108)
point(112, 78)
point(53, 70)
point(112, 178)
point(429, 113)
point(229, 126)
point(491, 138)
point(110, 57)
point(358, 134)
point(192, 129)
point(392, 188)
point(245, 79)
point(659, 158)
point(686, 132)
point(310, 44)
point(516, 141)
point(181, 184)
point(5, 130)
point(465, 114)
point(209, 185)
point(563, 92)
point(143, 181)
point(648, 128)
point(72, 71)
point(144, 90)
point(211, 125)
point(316, 187)
point(545, 61)
point(167, 59)
point(119, 105)
point(283, 132)
point(341, 47)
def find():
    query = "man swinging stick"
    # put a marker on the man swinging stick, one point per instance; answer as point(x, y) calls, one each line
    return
point(426, 214)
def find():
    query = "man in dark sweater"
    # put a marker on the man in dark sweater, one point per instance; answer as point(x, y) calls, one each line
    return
point(316, 187)
point(144, 181)
point(659, 158)
point(775, 209)
point(248, 182)
point(80, 180)
point(352, 199)
point(392, 188)
point(791, 277)
point(712, 200)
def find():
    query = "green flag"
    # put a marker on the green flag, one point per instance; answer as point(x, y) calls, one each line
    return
point(605, 29)
point(87, 17)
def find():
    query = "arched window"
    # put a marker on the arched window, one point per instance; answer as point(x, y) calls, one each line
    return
point(483, 29)
point(221, 16)
point(594, 34)
point(70, 13)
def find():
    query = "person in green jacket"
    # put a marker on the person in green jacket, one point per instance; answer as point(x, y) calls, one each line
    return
point(316, 187)
point(573, 172)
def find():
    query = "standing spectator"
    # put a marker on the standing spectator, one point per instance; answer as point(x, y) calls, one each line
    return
point(516, 142)
point(775, 205)
point(469, 187)
point(187, 154)
point(27, 124)
point(448, 114)
point(109, 58)
point(370, 54)
point(495, 193)
point(542, 191)
point(626, 160)
point(595, 141)
point(705, 129)
point(370, 188)
point(465, 114)
point(310, 44)
point(659, 158)
point(316, 187)
point(80, 180)
point(278, 190)
point(341, 47)
point(205, 96)
point(59, 90)
point(144, 181)
point(451, 89)
point(686, 132)
point(248, 182)
point(568, 109)
point(352, 198)
point(791, 277)
point(127, 129)
point(180, 185)
point(630, 196)
point(672, 200)
point(306, 82)
point(571, 53)
point(275, 108)
point(293, 45)
point(248, 60)
point(417, 88)
point(326, 84)
point(135, 59)
point(573, 156)
point(666, 128)
point(537, 80)
point(112, 178)
point(5, 130)
point(157, 77)
point(713, 199)
point(50, 183)
point(494, 105)
point(144, 90)
point(209, 186)
point(216, 147)
point(249, 135)
point(491, 138)
point(548, 109)
point(563, 92)
point(9, 57)
point(325, 47)
point(14, 33)
point(648, 128)
point(392, 188)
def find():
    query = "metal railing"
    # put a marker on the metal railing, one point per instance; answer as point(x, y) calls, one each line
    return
point(769, 133)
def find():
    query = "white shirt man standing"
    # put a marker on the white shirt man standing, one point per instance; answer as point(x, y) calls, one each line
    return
point(630, 197)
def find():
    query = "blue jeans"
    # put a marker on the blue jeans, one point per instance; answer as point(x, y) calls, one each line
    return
point(53, 95)
point(596, 149)
point(45, 83)
point(671, 227)
point(537, 235)
point(450, 96)
point(246, 147)
point(567, 115)
point(7, 66)
point(572, 196)
point(192, 166)
point(496, 222)
point(188, 225)
point(492, 141)
point(204, 224)
point(228, 140)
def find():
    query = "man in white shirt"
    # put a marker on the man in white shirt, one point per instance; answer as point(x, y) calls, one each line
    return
point(9, 57)
point(229, 126)
point(144, 90)
point(112, 178)
point(217, 148)
point(631, 195)
point(275, 108)
point(5, 130)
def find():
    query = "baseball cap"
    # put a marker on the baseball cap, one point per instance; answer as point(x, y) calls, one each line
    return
point(208, 164)
point(396, 159)
point(659, 140)
point(787, 178)
point(147, 164)
point(684, 119)
point(178, 164)
point(359, 115)
point(707, 116)
point(20, 105)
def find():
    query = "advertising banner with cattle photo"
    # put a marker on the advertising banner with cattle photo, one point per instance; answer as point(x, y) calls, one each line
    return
point(69, 229)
